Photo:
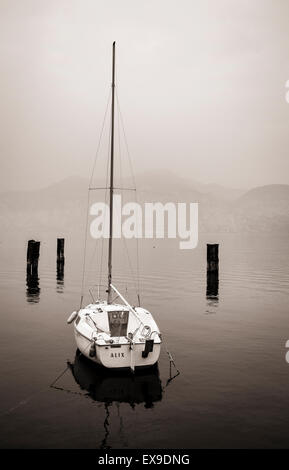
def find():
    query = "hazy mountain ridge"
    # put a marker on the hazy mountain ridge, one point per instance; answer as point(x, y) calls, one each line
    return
point(63, 205)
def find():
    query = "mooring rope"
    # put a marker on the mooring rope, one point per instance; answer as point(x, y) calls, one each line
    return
point(172, 362)
point(22, 402)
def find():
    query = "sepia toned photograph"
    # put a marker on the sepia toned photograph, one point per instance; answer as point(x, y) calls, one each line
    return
point(144, 210)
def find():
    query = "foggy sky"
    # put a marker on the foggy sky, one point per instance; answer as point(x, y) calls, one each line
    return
point(201, 85)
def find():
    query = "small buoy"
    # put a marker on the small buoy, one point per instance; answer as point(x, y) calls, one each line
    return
point(72, 317)
point(92, 350)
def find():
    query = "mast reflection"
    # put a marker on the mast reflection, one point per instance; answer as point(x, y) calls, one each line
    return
point(107, 386)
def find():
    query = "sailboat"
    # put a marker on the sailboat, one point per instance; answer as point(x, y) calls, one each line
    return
point(116, 335)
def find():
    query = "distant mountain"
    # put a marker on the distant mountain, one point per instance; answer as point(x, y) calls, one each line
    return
point(46, 198)
point(268, 196)
point(263, 208)
point(62, 206)
point(168, 181)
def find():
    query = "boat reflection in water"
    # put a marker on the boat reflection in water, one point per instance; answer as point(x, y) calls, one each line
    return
point(108, 386)
point(115, 386)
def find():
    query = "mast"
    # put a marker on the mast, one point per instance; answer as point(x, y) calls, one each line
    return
point(111, 177)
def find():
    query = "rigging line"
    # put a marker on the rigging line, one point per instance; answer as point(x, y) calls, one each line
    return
point(93, 255)
point(84, 255)
point(120, 167)
point(119, 147)
point(88, 199)
point(96, 242)
point(120, 162)
point(121, 180)
point(125, 138)
point(136, 198)
point(101, 133)
point(105, 199)
point(130, 266)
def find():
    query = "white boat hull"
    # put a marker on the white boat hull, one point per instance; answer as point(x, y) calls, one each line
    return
point(118, 356)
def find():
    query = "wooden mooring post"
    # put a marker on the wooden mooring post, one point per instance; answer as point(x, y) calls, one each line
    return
point(32, 279)
point(33, 249)
point(60, 250)
point(212, 257)
point(60, 261)
point(212, 271)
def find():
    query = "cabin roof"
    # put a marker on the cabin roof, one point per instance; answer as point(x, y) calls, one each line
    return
point(106, 307)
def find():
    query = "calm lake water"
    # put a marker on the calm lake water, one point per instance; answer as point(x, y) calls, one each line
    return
point(233, 387)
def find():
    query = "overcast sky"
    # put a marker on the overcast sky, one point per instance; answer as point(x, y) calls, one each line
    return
point(201, 85)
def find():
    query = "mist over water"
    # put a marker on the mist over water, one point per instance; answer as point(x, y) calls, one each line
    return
point(229, 345)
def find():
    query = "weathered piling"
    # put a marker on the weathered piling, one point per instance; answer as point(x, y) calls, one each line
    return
point(33, 249)
point(212, 284)
point(212, 257)
point(32, 279)
point(60, 272)
point(212, 271)
point(60, 263)
point(33, 289)
point(60, 249)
